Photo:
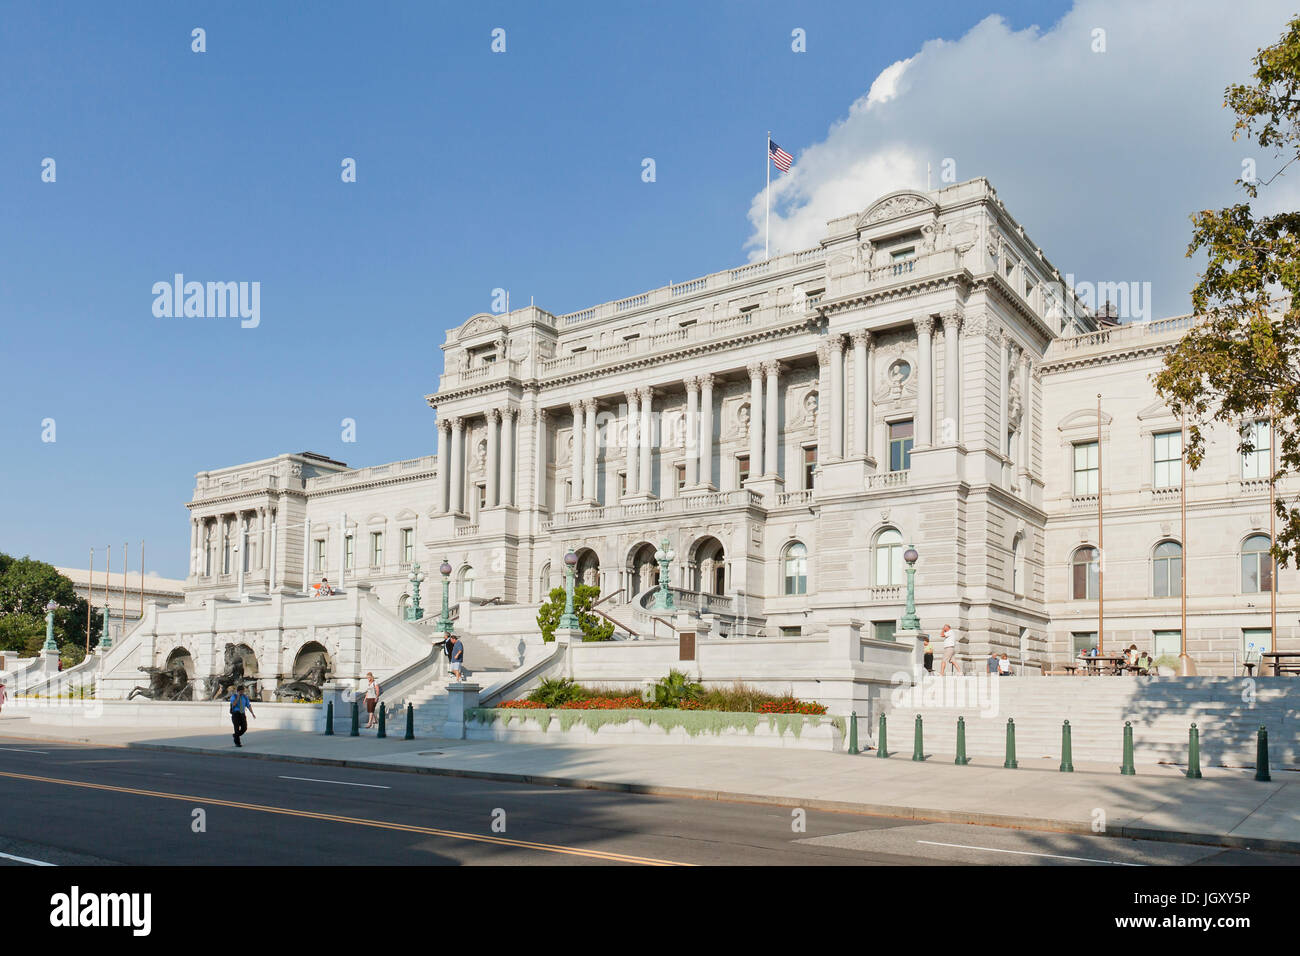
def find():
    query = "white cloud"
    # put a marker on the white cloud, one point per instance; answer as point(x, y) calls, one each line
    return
point(1102, 156)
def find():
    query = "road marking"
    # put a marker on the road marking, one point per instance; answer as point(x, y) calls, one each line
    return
point(1054, 856)
point(23, 859)
point(356, 821)
point(341, 783)
point(16, 750)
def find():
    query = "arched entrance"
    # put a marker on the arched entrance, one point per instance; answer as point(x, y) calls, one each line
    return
point(643, 568)
point(709, 566)
point(182, 656)
point(588, 570)
point(310, 655)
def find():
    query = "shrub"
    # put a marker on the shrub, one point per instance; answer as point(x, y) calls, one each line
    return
point(554, 691)
point(675, 688)
point(584, 595)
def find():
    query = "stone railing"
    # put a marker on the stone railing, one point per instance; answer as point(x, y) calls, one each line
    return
point(686, 504)
point(886, 592)
point(1083, 502)
point(786, 499)
point(360, 475)
point(467, 531)
point(888, 479)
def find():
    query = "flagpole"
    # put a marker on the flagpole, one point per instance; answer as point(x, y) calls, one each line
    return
point(767, 197)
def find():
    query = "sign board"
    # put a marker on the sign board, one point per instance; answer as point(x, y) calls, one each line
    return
point(686, 645)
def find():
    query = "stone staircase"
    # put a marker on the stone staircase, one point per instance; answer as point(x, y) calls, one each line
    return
point(1228, 712)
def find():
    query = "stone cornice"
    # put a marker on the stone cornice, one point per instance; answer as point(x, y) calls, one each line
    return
point(1134, 352)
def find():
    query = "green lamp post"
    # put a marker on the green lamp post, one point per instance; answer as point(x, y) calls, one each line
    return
point(910, 621)
point(105, 638)
point(415, 612)
point(444, 621)
point(51, 645)
point(569, 620)
point(665, 556)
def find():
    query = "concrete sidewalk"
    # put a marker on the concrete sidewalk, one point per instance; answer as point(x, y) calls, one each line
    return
point(1226, 807)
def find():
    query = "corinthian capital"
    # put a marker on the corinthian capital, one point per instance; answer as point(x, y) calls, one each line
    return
point(861, 337)
point(755, 369)
point(494, 415)
point(952, 321)
point(924, 324)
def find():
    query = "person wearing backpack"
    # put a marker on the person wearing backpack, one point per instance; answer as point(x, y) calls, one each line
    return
point(239, 703)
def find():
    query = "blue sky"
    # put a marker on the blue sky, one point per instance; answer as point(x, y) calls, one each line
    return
point(475, 170)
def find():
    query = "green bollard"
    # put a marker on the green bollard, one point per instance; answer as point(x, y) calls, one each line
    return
point(329, 719)
point(853, 732)
point(410, 722)
point(356, 723)
point(383, 732)
point(918, 748)
point(1194, 753)
point(1067, 751)
point(1261, 755)
point(962, 760)
point(1126, 768)
point(1010, 762)
point(881, 749)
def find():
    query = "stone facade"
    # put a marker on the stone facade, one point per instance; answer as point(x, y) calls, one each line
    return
point(921, 377)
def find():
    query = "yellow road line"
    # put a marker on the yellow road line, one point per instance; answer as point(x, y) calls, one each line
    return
point(356, 821)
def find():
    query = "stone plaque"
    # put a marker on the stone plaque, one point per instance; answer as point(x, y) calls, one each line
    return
point(686, 645)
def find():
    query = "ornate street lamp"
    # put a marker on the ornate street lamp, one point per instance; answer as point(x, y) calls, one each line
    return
point(665, 556)
point(444, 622)
point(569, 620)
point(105, 638)
point(910, 621)
point(415, 612)
point(50, 643)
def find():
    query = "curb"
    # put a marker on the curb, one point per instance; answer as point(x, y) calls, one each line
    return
point(919, 814)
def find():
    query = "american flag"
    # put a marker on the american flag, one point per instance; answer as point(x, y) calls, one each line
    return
point(780, 157)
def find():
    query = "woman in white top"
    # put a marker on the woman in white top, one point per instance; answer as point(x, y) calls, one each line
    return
point(372, 701)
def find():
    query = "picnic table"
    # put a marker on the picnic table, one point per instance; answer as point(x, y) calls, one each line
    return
point(1284, 662)
point(1114, 660)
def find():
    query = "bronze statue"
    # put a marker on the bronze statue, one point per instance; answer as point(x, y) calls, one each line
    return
point(307, 686)
point(169, 682)
point(221, 684)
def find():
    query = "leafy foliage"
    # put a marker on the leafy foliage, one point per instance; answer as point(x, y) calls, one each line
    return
point(670, 691)
point(1243, 362)
point(26, 586)
point(594, 628)
point(554, 691)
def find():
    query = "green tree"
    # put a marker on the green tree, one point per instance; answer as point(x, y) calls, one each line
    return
point(1242, 363)
point(594, 628)
point(26, 586)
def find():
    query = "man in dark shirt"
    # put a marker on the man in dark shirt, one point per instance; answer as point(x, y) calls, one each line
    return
point(239, 703)
point(457, 657)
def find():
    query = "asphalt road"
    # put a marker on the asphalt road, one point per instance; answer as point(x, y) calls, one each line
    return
point(67, 804)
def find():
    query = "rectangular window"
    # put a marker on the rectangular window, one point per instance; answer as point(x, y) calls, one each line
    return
point(900, 446)
point(408, 546)
point(320, 554)
point(884, 630)
point(795, 631)
point(376, 548)
point(898, 255)
point(1085, 468)
point(1256, 641)
point(809, 466)
point(1255, 464)
point(622, 484)
point(567, 488)
point(1166, 643)
point(742, 470)
point(1167, 459)
point(347, 552)
point(1082, 641)
point(681, 476)
point(482, 497)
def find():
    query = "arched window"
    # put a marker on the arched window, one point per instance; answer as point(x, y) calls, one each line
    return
point(544, 582)
point(1018, 565)
point(1083, 568)
point(889, 557)
point(467, 578)
point(1256, 565)
point(1167, 570)
point(796, 569)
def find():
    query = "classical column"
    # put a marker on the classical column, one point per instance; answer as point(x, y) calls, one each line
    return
point(493, 461)
point(692, 385)
point(443, 504)
point(541, 459)
point(755, 370)
point(861, 395)
point(924, 381)
point(646, 455)
point(458, 465)
point(343, 548)
point(951, 432)
point(590, 485)
point(633, 440)
point(706, 431)
point(576, 468)
point(772, 370)
point(1010, 361)
point(1026, 416)
point(836, 344)
point(194, 549)
point(506, 487)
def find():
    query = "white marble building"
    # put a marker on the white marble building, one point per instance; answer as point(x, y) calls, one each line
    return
point(790, 426)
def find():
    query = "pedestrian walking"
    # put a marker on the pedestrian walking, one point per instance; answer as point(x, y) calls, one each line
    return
point(239, 703)
point(3, 696)
point(372, 701)
point(457, 657)
point(949, 650)
point(928, 655)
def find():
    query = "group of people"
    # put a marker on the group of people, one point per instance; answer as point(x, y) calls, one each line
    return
point(949, 637)
point(240, 704)
point(1135, 661)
